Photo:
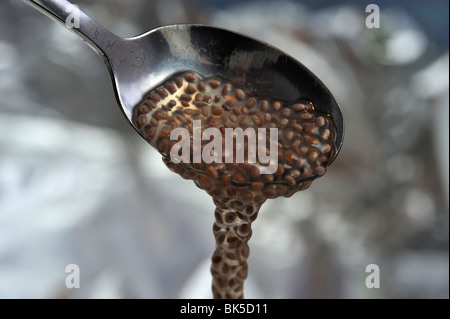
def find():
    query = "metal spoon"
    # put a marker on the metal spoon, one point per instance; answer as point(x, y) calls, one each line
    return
point(139, 64)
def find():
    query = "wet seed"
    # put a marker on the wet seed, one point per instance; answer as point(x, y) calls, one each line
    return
point(276, 106)
point(191, 77)
point(179, 82)
point(190, 89)
point(142, 119)
point(214, 84)
point(240, 95)
point(299, 107)
point(171, 88)
point(286, 112)
point(201, 87)
point(185, 97)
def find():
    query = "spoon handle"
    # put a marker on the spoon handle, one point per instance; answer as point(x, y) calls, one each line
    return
point(70, 16)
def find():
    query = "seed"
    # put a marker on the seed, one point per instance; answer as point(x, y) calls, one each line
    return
point(232, 118)
point(320, 121)
point(286, 112)
point(217, 112)
point(299, 107)
point(310, 128)
point(212, 171)
point(153, 122)
point(325, 134)
point(165, 130)
point(295, 143)
point(201, 86)
point(230, 217)
point(185, 104)
point(251, 102)
point(289, 135)
point(185, 97)
point(201, 104)
point(280, 169)
point(190, 89)
point(322, 159)
point(180, 118)
point(151, 132)
point(313, 141)
point(319, 170)
point(245, 196)
point(162, 116)
point(290, 180)
point(256, 120)
point(238, 178)
point(303, 150)
point(172, 103)
point(307, 171)
point(254, 173)
point(264, 105)
point(226, 107)
point(214, 84)
point(204, 181)
point(142, 119)
point(244, 121)
point(268, 178)
point(326, 148)
point(240, 95)
point(226, 88)
point(276, 106)
point(306, 116)
point(155, 97)
point(312, 156)
point(294, 173)
point(284, 122)
point(205, 111)
point(188, 111)
point(217, 98)
point(163, 145)
point(267, 117)
point(162, 92)
point(179, 82)
point(257, 185)
point(172, 89)
point(190, 77)
point(229, 103)
point(144, 109)
point(288, 156)
point(207, 98)
point(261, 117)
point(270, 193)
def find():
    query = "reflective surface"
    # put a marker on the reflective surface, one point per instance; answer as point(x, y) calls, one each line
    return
point(141, 63)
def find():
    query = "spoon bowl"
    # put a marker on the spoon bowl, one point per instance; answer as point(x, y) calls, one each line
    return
point(139, 64)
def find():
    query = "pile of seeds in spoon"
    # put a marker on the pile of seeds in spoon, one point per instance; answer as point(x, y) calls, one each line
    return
point(305, 142)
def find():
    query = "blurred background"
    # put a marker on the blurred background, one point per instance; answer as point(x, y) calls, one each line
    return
point(79, 186)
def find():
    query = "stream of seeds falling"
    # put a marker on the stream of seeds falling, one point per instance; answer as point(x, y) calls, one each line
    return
point(306, 144)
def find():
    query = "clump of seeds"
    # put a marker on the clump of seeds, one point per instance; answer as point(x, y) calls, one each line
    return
point(306, 145)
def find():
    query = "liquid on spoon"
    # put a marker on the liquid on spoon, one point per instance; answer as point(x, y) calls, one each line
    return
point(305, 145)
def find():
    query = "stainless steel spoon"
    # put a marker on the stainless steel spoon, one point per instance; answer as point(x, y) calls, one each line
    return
point(139, 64)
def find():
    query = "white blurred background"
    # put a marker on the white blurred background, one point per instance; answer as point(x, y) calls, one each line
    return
point(79, 186)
